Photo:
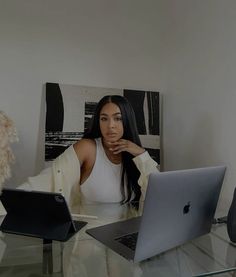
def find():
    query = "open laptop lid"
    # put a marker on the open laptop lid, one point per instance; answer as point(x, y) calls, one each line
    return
point(40, 214)
point(179, 206)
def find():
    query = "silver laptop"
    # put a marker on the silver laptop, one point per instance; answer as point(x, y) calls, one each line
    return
point(179, 206)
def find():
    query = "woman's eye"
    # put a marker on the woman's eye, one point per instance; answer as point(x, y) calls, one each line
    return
point(118, 118)
point(103, 118)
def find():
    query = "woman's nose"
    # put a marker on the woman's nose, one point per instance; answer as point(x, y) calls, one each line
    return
point(111, 123)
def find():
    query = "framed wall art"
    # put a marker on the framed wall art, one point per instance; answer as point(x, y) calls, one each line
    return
point(70, 107)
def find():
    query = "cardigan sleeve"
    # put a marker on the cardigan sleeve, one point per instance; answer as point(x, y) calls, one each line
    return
point(66, 175)
point(63, 177)
point(145, 165)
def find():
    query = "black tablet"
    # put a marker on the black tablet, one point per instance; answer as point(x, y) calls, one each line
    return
point(39, 214)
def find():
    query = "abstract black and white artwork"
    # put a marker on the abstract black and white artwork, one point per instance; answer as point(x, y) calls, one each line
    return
point(69, 109)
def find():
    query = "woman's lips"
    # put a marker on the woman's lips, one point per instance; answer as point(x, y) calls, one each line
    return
point(111, 134)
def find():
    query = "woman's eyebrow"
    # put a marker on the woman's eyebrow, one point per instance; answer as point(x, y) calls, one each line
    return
point(108, 114)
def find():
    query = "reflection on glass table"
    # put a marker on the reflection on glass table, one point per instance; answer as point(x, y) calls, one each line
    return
point(208, 255)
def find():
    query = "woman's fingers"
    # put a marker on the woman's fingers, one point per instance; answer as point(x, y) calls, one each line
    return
point(125, 145)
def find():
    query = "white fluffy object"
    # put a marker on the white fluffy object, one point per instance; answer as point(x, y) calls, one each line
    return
point(7, 136)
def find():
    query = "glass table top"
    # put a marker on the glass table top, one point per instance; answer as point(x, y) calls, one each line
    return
point(209, 255)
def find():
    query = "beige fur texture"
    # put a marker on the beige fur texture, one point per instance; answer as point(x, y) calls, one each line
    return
point(7, 136)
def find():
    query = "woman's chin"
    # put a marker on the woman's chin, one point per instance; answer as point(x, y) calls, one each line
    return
point(111, 139)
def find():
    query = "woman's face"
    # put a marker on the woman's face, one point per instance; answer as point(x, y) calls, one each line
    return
point(111, 124)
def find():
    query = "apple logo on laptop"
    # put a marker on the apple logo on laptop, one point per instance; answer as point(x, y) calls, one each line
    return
point(186, 208)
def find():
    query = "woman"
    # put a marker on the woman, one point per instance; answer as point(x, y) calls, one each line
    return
point(108, 164)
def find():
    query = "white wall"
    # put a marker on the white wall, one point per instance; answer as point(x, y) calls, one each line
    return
point(200, 96)
point(184, 48)
point(95, 43)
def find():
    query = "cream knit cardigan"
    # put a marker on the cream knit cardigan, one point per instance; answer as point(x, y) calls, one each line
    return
point(64, 175)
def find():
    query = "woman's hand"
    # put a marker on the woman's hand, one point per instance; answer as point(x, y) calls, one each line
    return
point(125, 145)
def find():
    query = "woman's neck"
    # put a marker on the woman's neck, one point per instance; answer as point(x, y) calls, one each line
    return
point(114, 158)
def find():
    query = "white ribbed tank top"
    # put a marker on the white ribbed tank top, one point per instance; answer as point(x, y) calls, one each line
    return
point(103, 184)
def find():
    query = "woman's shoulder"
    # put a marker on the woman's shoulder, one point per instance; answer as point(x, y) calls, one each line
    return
point(84, 144)
point(85, 148)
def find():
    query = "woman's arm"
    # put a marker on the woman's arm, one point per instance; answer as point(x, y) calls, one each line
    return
point(145, 165)
point(63, 176)
point(66, 175)
point(85, 150)
point(142, 160)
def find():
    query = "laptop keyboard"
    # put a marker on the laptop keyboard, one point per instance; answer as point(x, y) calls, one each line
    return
point(129, 240)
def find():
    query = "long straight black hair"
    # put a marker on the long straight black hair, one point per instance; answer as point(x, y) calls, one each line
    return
point(130, 133)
